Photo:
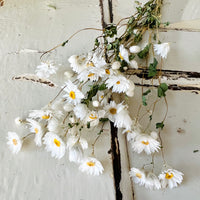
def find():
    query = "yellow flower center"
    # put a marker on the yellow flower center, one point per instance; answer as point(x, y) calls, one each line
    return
point(90, 64)
point(45, 117)
point(102, 96)
point(107, 71)
point(113, 111)
point(15, 142)
point(72, 95)
point(121, 57)
point(36, 130)
point(146, 143)
point(91, 164)
point(57, 142)
point(91, 74)
point(118, 82)
point(93, 116)
point(138, 175)
point(169, 176)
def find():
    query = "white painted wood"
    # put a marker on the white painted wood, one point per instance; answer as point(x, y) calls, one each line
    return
point(26, 28)
point(181, 133)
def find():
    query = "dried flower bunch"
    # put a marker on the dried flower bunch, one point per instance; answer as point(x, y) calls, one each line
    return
point(85, 101)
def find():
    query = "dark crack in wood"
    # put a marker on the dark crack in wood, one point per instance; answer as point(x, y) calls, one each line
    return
point(174, 87)
point(103, 23)
point(116, 160)
point(172, 74)
point(115, 149)
point(110, 7)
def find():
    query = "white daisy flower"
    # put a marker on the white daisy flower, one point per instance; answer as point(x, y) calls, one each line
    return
point(123, 120)
point(78, 63)
point(14, 142)
point(118, 83)
point(131, 135)
point(113, 109)
point(74, 95)
point(92, 74)
point(134, 49)
point(76, 154)
point(98, 60)
point(91, 166)
point(144, 142)
point(107, 72)
point(133, 64)
point(130, 91)
point(37, 128)
point(75, 139)
point(123, 53)
point(72, 140)
point(162, 49)
point(95, 103)
point(94, 116)
point(68, 107)
point(18, 121)
point(170, 178)
point(138, 175)
point(54, 125)
point(80, 111)
point(102, 98)
point(83, 142)
point(46, 69)
point(41, 114)
point(54, 145)
point(116, 65)
point(152, 182)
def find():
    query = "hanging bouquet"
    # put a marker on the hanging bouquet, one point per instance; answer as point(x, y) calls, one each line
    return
point(86, 100)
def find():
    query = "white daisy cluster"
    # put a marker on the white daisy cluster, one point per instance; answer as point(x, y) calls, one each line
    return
point(59, 125)
point(149, 144)
point(85, 102)
point(168, 178)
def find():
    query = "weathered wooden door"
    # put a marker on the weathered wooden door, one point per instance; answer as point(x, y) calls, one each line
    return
point(30, 27)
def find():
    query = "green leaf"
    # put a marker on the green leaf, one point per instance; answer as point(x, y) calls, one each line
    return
point(88, 124)
point(99, 133)
point(109, 46)
point(97, 42)
point(103, 119)
point(160, 125)
point(64, 43)
point(93, 91)
point(154, 36)
point(144, 100)
point(70, 125)
point(102, 87)
point(110, 31)
point(131, 20)
point(162, 88)
point(131, 57)
point(166, 24)
point(146, 93)
point(143, 54)
point(150, 117)
point(152, 68)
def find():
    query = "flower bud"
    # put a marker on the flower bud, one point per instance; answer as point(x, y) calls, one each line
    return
point(135, 49)
point(116, 65)
point(95, 103)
